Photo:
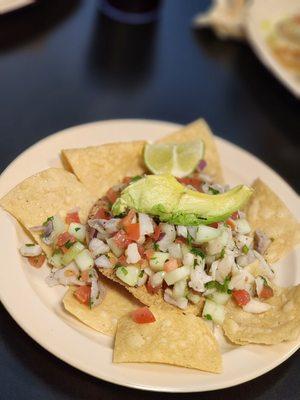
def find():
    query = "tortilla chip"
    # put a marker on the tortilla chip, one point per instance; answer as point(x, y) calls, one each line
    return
point(267, 212)
point(50, 192)
point(149, 299)
point(101, 167)
point(104, 317)
point(280, 323)
point(200, 130)
point(176, 339)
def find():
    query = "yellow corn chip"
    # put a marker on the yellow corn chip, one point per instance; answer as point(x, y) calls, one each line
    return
point(280, 323)
point(50, 192)
point(176, 339)
point(267, 212)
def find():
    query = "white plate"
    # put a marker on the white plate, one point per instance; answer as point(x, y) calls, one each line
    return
point(260, 17)
point(12, 5)
point(37, 308)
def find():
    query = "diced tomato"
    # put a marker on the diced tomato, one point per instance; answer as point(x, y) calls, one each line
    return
point(72, 217)
point(112, 195)
point(214, 225)
point(235, 215)
point(37, 261)
point(149, 253)
point(127, 180)
point(195, 182)
point(133, 231)
point(266, 292)
point(65, 237)
point(157, 232)
point(102, 213)
point(84, 276)
point(83, 294)
point(242, 297)
point(151, 289)
point(129, 219)
point(181, 240)
point(122, 239)
point(170, 265)
point(122, 259)
point(143, 316)
point(230, 223)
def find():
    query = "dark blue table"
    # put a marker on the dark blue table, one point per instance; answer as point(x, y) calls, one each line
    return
point(63, 64)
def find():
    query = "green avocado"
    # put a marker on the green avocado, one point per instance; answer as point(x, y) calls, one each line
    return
point(163, 196)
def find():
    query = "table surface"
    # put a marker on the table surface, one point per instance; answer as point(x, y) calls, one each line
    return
point(62, 63)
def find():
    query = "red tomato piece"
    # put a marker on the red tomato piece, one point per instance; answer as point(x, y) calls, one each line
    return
point(122, 259)
point(195, 182)
point(235, 215)
point(181, 240)
point(157, 232)
point(112, 195)
point(149, 253)
point(266, 292)
point(143, 316)
point(170, 265)
point(133, 231)
point(72, 217)
point(37, 261)
point(122, 239)
point(65, 237)
point(230, 223)
point(102, 213)
point(151, 289)
point(83, 294)
point(129, 218)
point(127, 180)
point(242, 297)
point(214, 225)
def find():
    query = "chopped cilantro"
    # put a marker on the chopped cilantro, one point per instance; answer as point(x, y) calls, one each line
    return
point(272, 239)
point(77, 229)
point(155, 246)
point(189, 239)
point(29, 244)
point(222, 253)
point(141, 274)
point(47, 220)
point(213, 191)
point(245, 249)
point(208, 316)
point(197, 252)
point(118, 265)
point(136, 178)
point(68, 244)
point(124, 270)
point(223, 288)
point(264, 279)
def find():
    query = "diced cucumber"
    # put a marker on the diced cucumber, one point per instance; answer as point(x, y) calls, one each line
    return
point(206, 233)
point(129, 274)
point(158, 260)
point(179, 289)
point(114, 248)
point(219, 298)
point(56, 259)
point(177, 274)
point(78, 231)
point(58, 225)
point(194, 298)
point(84, 260)
point(214, 311)
point(73, 251)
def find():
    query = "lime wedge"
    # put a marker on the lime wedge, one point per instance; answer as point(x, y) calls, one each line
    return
point(177, 159)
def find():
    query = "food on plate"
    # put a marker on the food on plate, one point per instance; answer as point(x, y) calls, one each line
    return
point(281, 322)
point(176, 339)
point(267, 213)
point(170, 232)
point(284, 42)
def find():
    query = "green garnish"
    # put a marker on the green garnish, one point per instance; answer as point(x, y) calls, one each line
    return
point(208, 316)
point(124, 270)
point(222, 253)
point(77, 229)
point(197, 252)
point(136, 178)
point(141, 274)
point(223, 288)
point(29, 244)
point(264, 279)
point(68, 244)
point(189, 239)
point(155, 246)
point(213, 191)
point(118, 265)
point(245, 249)
point(47, 220)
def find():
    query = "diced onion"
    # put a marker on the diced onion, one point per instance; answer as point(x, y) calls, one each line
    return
point(97, 247)
point(77, 230)
point(174, 250)
point(103, 262)
point(146, 224)
point(182, 231)
point(31, 250)
point(118, 251)
point(132, 253)
point(157, 278)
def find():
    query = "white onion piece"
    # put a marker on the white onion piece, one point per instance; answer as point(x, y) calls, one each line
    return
point(168, 238)
point(182, 231)
point(157, 278)
point(188, 259)
point(256, 307)
point(97, 247)
point(31, 250)
point(180, 303)
point(103, 262)
point(192, 231)
point(224, 267)
point(259, 284)
point(142, 279)
point(174, 250)
point(97, 289)
point(198, 279)
point(132, 254)
point(146, 224)
point(112, 225)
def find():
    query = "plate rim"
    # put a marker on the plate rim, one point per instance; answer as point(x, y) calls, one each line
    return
point(110, 378)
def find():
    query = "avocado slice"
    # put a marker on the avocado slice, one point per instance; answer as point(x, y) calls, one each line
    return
point(163, 196)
